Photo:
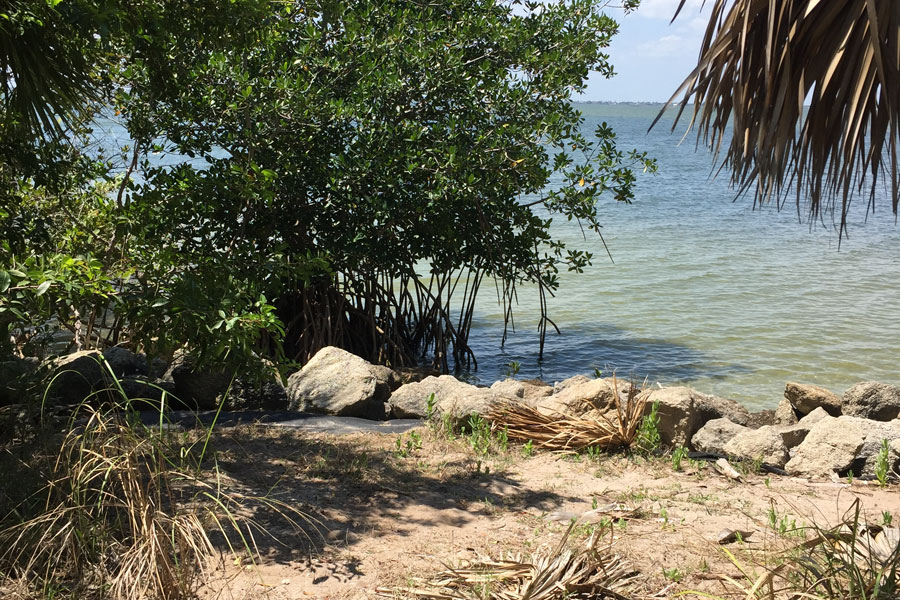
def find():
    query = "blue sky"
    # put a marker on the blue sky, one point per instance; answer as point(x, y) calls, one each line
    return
point(650, 56)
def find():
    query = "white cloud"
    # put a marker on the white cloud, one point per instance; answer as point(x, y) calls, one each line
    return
point(668, 45)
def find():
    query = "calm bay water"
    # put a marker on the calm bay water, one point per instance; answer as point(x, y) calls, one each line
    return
point(708, 292)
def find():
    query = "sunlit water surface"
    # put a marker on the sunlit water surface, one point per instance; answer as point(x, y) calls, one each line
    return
point(708, 292)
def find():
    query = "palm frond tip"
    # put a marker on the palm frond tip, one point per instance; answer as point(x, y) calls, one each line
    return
point(761, 61)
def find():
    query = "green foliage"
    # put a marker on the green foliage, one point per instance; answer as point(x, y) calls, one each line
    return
point(512, 368)
point(673, 574)
point(408, 444)
point(431, 409)
point(479, 434)
point(677, 457)
point(648, 439)
point(781, 524)
point(308, 173)
point(883, 463)
point(528, 449)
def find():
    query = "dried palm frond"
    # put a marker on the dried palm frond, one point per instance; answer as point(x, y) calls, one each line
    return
point(761, 60)
point(569, 433)
point(588, 572)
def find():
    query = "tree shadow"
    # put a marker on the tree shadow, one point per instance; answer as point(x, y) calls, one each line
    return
point(338, 489)
point(579, 349)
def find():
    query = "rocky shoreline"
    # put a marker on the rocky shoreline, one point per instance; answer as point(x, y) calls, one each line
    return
point(813, 433)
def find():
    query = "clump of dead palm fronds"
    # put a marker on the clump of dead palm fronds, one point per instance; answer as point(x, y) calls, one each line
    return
point(564, 573)
point(616, 427)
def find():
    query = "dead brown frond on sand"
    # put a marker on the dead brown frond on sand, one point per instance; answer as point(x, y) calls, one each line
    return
point(564, 573)
point(610, 430)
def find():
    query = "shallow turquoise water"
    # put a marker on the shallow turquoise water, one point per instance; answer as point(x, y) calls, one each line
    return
point(708, 292)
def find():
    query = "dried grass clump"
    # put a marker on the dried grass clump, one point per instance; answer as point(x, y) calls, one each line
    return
point(570, 433)
point(124, 514)
point(110, 518)
point(563, 574)
point(853, 560)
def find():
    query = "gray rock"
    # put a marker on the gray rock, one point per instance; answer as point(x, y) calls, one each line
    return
point(760, 418)
point(74, 378)
point(16, 376)
point(841, 444)
point(249, 392)
point(386, 381)
point(148, 394)
point(678, 421)
point(793, 435)
point(764, 444)
point(197, 388)
point(205, 388)
point(805, 398)
point(125, 363)
point(514, 389)
point(387, 376)
point(453, 397)
point(713, 407)
point(577, 379)
point(872, 400)
point(579, 397)
point(336, 382)
point(785, 413)
point(715, 434)
point(158, 368)
point(413, 374)
point(867, 458)
point(684, 411)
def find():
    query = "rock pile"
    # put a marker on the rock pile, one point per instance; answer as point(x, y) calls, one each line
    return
point(812, 433)
point(816, 433)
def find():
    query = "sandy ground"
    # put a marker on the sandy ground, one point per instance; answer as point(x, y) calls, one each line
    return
point(379, 519)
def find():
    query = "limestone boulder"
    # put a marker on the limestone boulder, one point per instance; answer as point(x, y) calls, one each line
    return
point(581, 396)
point(765, 444)
point(868, 455)
point(872, 400)
point(574, 380)
point(453, 397)
point(249, 392)
point(147, 394)
point(683, 411)
point(715, 434)
point(793, 435)
point(785, 414)
point(514, 389)
point(75, 378)
point(413, 374)
point(125, 363)
point(197, 388)
point(336, 382)
point(805, 398)
point(713, 407)
point(840, 445)
point(678, 421)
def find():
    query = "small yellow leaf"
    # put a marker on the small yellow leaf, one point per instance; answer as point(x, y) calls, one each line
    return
point(581, 182)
